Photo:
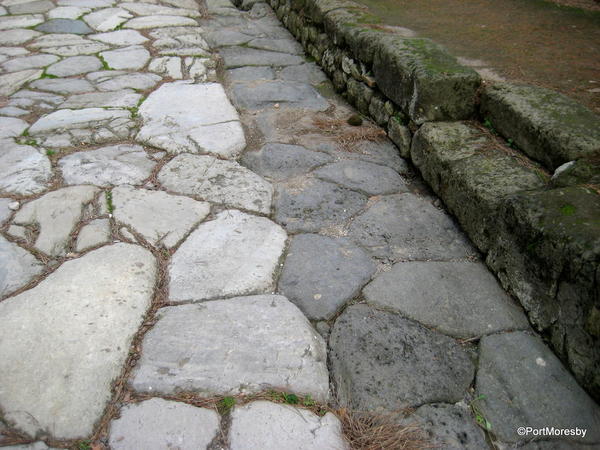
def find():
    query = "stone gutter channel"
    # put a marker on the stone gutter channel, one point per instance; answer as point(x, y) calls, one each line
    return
point(202, 245)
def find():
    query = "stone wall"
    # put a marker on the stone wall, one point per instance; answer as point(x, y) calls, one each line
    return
point(535, 218)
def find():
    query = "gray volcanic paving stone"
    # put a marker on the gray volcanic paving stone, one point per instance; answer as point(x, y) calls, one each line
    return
point(17, 267)
point(406, 227)
point(107, 166)
point(235, 254)
point(524, 384)
point(23, 169)
point(217, 181)
point(75, 328)
point(381, 360)
point(162, 219)
point(157, 424)
point(185, 117)
point(310, 73)
point(140, 81)
point(18, 36)
point(462, 299)
point(63, 85)
point(321, 274)
point(287, 94)
point(251, 74)
point(74, 66)
point(134, 57)
point(234, 57)
point(448, 427)
point(282, 161)
point(94, 233)
point(237, 345)
point(56, 214)
point(64, 26)
point(311, 205)
point(372, 179)
point(271, 426)
point(28, 62)
point(119, 99)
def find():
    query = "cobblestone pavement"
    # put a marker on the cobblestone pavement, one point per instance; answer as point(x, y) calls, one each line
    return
point(186, 214)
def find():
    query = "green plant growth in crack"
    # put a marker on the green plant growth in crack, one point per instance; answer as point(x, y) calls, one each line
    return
point(109, 202)
point(479, 416)
point(226, 404)
point(50, 153)
point(105, 65)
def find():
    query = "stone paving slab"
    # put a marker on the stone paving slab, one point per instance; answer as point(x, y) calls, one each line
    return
point(245, 344)
point(17, 267)
point(84, 315)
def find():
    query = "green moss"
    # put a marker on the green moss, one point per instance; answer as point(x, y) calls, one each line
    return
point(567, 210)
point(432, 57)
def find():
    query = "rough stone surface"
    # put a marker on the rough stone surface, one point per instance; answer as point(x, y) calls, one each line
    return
point(408, 227)
point(161, 218)
point(140, 23)
point(101, 300)
point(462, 299)
point(17, 267)
point(234, 57)
point(312, 205)
point(235, 254)
point(270, 426)
point(245, 344)
point(448, 427)
point(28, 62)
point(118, 99)
point(251, 73)
point(64, 26)
point(107, 19)
point(12, 82)
point(371, 179)
point(217, 181)
point(380, 360)
point(282, 161)
point(95, 233)
point(321, 274)
point(24, 21)
point(157, 424)
point(23, 169)
point(524, 384)
point(134, 57)
point(139, 81)
point(184, 117)
point(6, 208)
point(56, 213)
point(63, 86)
point(286, 94)
point(120, 37)
point(107, 166)
point(74, 66)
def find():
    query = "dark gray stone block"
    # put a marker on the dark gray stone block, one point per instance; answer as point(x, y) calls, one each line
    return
point(64, 26)
point(286, 94)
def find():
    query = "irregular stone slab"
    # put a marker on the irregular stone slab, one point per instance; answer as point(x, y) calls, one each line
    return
point(288, 94)
point(120, 37)
point(217, 181)
point(371, 179)
point(23, 169)
point(139, 81)
point(28, 62)
point(68, 127)
point(522, 382)
point(67, 12)
point(310, 73)
point(6, 207)
point(56, 213)
point(64, 26)
point(244, 345)
point(462, 299)
point(270, 426)
point(161, 218)
point(95, 233)
point(17, 267)
point(380, 360)
point(226, 38)
point(321, 274)
point(40, 6)
point(549, 127)
point(107, 166)
point(117, 99)
point(13, 111)
point(87, 3)
point(140, 23)
point(408, 227)
point(146, 9)
point(311, 205)
point(12, 82)
point(235, 254)
point(242, 56)
point(63, 86)
point(25, 21)
point(450, 427)
point(251, 74)
point(34, 99)
point(157, 424)
point(185, 117)
point(107, 19)
point(101, 299)
point(10, 127)
point(85, 47)
point(17, 36)
point(167, 65)
point(282, 161)
point(289, 46)
point(74, 66)
point(134, 57)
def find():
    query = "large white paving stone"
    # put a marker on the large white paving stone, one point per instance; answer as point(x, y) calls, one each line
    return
point(67, 12)
point(160, 217)
point(75, 329)
point(17, 267)
point(107, 166)
point(140, 23)
point(238, 345)
point(186, 117)
point(167, 65)
point(107, 19)
point(158, 424)
point(56, 213)
point(133, 57)
point(23, 169)
point(235, 254)
point(217, 181)
point(271, 426)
